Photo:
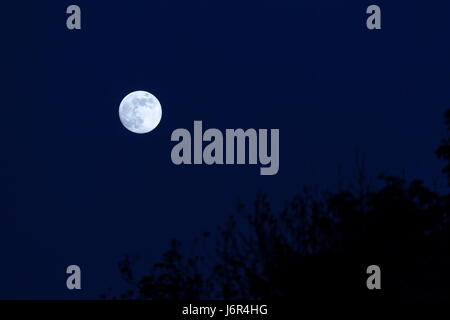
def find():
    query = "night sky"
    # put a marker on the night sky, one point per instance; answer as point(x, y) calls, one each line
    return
point(78, 188)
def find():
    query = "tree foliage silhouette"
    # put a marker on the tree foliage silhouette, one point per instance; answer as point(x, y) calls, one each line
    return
point(317, 246)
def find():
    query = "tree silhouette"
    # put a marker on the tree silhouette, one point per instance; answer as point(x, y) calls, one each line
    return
point(443, 152)
point(318, 246)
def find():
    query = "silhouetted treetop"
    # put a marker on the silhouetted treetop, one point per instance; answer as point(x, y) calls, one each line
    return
point(317, 246)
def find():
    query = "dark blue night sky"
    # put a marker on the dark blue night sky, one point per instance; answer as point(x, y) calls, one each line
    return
point(78, 188)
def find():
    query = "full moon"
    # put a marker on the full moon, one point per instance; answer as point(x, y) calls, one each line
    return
point(140, 112)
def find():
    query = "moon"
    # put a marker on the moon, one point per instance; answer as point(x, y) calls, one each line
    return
point(140, 112)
